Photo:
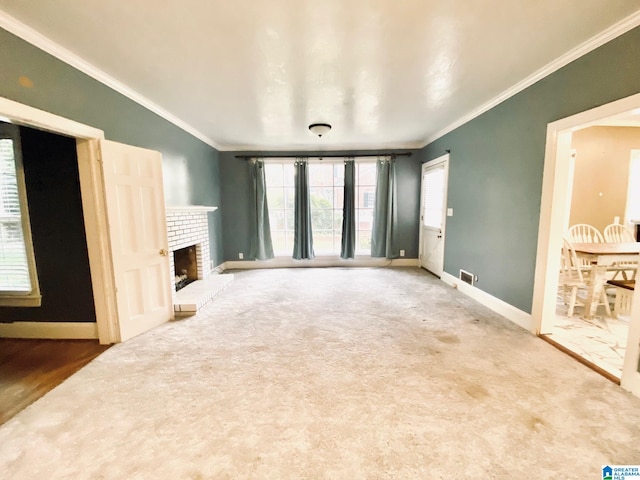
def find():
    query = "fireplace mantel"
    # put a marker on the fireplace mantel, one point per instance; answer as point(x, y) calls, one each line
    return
point(190, 209)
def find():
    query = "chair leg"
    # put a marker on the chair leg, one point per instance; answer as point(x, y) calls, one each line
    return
point(605, 300)
point(572, 301)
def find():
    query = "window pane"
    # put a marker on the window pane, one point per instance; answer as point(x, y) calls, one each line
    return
point(363, 241)
point(14, 269)
point(288, 173)
point(275, 197)
point(322, 218)
point(433, 197)
point(276, 219)
point(321, 174)
point(337, 222)
point(338, 197)
point(366, 173)
point(273, 174)
point(338, 174)
point(323, 241)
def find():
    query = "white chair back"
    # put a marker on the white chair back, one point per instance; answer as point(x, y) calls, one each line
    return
point(618, 233)
point(583, 233)
point(571, 267)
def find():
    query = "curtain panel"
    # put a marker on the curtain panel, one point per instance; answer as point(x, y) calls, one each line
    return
point(303, 235)
point(261, 245)
point(348, 245)
point(384, 234)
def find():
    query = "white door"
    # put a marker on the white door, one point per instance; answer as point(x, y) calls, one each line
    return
point(138, 234)
point(433, 214)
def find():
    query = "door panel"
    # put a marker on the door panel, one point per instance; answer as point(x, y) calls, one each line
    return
point(138, 232)
point(432, 215)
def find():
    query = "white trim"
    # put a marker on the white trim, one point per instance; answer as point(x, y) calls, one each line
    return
point(285, 262)
point(21, 114)
point(190, 208)
point(553, 212)
point(54, 330)
point(517, 316)
point(35, 38)
point(591, 44)
point(93, 205)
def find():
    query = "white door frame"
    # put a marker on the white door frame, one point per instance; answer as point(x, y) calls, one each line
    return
point(553, 212)
point(95, 215)
point(443, 159)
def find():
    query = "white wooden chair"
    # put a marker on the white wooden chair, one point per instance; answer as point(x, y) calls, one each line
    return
point(617, 233)
point(584, 233)
point(574, 278)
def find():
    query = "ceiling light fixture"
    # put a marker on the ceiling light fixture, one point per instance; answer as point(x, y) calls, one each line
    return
point(320, 129)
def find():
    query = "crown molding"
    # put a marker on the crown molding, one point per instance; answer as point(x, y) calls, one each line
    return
point(326, 148)
point(35, 38)
point(591, 44)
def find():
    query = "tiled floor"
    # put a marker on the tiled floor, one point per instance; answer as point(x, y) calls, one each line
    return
point(601, 341)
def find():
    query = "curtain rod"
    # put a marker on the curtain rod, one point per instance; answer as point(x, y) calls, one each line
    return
point(403, 154)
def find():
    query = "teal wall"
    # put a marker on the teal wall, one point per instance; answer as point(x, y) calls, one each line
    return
point(236, 199)
point(191, 167)
point(496, 164)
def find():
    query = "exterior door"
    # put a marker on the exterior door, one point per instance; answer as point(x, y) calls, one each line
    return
point(138, 235)
point(433, 214)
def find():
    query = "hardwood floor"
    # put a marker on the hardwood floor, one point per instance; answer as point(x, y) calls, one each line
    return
point(31, 368)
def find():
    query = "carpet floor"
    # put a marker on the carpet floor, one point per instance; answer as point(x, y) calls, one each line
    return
point(328, 373)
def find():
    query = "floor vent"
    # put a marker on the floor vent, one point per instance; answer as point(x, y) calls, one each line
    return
point(466, 277)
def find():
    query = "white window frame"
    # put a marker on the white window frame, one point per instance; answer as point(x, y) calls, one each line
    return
point(33, 297)
point(338, 160)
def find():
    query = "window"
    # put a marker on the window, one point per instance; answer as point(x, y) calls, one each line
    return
point(326, 192)
point(326, 195)
point(280, 199)
point(18, 282)
point(433, 185)
point(365, 201)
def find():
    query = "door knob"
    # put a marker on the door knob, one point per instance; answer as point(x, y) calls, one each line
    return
point(164, 252)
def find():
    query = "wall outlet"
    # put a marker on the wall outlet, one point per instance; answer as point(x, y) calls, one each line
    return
point(241, 255)
point(402, 253)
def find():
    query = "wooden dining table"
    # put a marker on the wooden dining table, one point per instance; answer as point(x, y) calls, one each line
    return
point(601, 256)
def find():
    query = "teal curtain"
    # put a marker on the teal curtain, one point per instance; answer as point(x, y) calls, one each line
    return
point(348, 247)
point(261, 245)
point(303, 235)
point(384, 234)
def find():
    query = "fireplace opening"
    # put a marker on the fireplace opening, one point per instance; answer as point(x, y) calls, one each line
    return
point(186, 266)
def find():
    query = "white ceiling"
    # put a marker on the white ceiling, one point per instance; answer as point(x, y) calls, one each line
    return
point(251, 75)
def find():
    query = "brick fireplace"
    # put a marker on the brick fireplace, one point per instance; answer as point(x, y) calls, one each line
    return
point(189, 227)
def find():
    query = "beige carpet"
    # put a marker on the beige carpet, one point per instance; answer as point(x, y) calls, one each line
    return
point(328, 373)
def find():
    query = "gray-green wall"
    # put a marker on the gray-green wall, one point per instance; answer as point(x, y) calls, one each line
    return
point(496, 164)
point(191, 167)
point(236, 200)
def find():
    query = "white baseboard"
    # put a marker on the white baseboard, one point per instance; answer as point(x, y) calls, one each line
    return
point(53, 330)
point(517, 316)
point(285, 262)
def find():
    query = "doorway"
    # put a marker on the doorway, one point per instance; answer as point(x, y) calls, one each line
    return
point(433, 208)
point(111, 175)
point(553, 221)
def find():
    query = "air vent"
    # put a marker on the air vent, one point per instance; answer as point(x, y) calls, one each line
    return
point(466, 277)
